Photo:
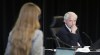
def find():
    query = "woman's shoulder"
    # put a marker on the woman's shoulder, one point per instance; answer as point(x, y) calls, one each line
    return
point(38, 31)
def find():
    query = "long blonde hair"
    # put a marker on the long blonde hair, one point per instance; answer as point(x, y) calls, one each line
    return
point(24, 29)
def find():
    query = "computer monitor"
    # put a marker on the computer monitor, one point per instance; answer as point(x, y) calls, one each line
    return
point(96, 45)
point(65, 51)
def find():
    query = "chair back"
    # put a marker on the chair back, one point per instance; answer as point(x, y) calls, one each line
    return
point(55, 27)
point(56, 24)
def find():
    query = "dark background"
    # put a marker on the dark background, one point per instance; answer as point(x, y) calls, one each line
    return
point(88, 12)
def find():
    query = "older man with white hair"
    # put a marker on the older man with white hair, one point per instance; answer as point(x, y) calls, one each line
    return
point(69, 33)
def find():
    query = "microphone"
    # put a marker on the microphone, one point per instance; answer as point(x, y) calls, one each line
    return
point(88, 37)
point(58, 39)
point(73, 47)
point(91, 46)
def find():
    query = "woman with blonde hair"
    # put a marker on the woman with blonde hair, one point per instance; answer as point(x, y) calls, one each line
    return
point(25, 38)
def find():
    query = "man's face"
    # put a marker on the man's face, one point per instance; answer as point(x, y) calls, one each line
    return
point(70, 21)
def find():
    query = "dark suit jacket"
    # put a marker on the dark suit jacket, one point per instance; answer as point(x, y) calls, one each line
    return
point(69, 38)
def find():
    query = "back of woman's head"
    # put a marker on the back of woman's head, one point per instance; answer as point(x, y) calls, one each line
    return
point(24, 29)
point(28, 15)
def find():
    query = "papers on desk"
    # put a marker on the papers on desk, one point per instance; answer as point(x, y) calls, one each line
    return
point(85, 49)
point(51, 49)
point(98, 50)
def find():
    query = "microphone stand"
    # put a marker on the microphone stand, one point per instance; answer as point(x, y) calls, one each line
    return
point(92, 49)
point(88, 37)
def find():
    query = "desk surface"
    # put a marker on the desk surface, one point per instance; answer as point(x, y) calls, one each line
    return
point(49, 51)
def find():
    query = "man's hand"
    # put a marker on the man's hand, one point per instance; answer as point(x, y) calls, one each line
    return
point(73, 29)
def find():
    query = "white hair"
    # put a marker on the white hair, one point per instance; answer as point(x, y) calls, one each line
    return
point(66, 16)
